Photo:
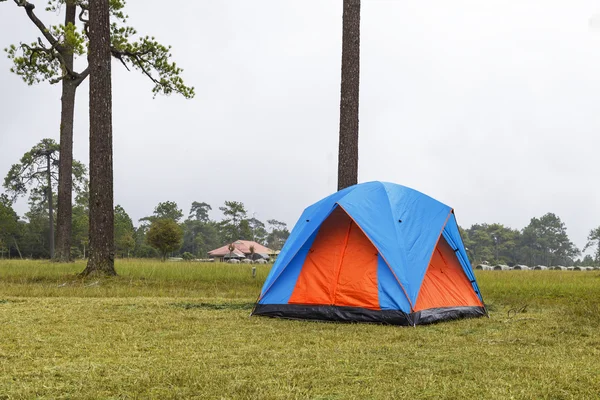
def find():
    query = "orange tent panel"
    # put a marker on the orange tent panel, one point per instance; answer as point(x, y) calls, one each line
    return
point(340, 268)
point(445, 283)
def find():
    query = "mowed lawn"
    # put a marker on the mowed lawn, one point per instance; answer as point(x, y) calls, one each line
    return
point(182, 330)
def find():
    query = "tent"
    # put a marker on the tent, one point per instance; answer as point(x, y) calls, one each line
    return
point(374, 252)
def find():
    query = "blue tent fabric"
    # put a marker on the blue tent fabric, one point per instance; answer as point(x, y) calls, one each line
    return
point(310, 220)
point(281, 293)
point(391, 296)
point(403, 224)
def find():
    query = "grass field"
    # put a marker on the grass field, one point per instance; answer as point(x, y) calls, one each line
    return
point(182, 330)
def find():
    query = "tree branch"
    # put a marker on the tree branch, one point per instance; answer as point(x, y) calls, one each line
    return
point(40, 25)
point(56, 50)
point(137, 58)
point(119, 56)
point(36, 50)
point(79, 77)
point(86, 27)
point(84, 74)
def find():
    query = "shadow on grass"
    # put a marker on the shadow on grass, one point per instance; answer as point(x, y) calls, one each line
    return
point(5, 301)
point(214, 306)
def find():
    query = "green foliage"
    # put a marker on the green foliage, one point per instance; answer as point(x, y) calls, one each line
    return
point(80, 226)
point(259, 233)
point(543, 242)
point(278, 234)
point(44, 60)
point(146, 55)
point(153, 60)
point(34, 241)
point(491, 242)
point(548, 240)
point(245, 232)
point(200, 233)
point(234, 212)
point(593, 240)
point(165, 210)
point(168, 209)
point(200, 211)
point(30, 174)
point(187, 256)
point(124, 232)
point(201, 237)
point(32, 169)
point(10, 228)
point(34, 64)
point(587, 261)
point(71, 39)
point(165, 236)
point(142, 248)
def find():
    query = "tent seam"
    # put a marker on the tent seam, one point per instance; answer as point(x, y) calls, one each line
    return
point(398, 237)
point(432, 252)
point(291, 258)
point(469, 263)
point(382, 256)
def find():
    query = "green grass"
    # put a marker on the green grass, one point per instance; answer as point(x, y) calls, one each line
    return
point(182, 330)
point(147, 278)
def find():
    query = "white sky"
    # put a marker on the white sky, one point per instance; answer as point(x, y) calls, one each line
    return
point(492, 107)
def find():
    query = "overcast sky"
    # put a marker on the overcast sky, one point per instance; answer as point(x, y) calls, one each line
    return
point(492, 107)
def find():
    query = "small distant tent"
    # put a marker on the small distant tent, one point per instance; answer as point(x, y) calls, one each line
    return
point(374, 252)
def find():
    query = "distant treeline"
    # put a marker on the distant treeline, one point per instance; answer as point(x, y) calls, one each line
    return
point(27, 236)
point(543, 242)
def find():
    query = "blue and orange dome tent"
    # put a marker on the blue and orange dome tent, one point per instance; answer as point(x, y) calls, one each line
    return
point(374, 252)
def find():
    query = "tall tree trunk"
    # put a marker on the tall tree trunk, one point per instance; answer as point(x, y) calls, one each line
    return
point(348, 145)
point(65, 174)
point(50, 207)
point(65, 167)
point(101, 246)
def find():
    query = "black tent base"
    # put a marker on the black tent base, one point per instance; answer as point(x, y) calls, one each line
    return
point(357, 314)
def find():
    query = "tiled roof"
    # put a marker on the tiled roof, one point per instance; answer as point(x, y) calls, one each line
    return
point(242, 246)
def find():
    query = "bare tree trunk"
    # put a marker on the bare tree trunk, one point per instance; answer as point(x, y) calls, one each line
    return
point(50, 207)
point(348, 145)
point(65, 167)
point(17, 247)
point(65, 175)
point(101, 246)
